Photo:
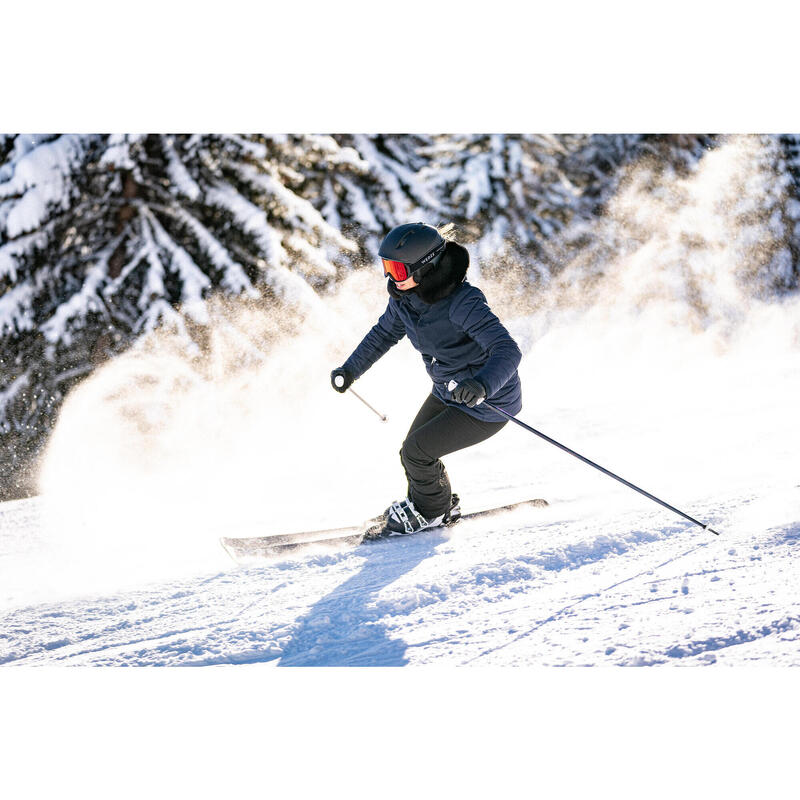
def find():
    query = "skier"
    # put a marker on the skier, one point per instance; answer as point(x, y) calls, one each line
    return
point(450, 323)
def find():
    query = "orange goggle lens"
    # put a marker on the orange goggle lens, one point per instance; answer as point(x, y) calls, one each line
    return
point(395, 269)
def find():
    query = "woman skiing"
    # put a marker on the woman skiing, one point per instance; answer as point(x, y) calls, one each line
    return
point(449, 322)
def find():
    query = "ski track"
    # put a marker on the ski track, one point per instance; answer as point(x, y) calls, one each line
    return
point(536, 586)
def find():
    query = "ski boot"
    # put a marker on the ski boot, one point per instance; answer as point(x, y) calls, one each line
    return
point(402, 519)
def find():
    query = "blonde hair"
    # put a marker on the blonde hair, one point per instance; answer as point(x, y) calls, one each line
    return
point(447, 231)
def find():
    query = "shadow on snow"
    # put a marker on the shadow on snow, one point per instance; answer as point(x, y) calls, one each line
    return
point(344, 628)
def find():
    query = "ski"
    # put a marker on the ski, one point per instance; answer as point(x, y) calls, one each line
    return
point(369, 532)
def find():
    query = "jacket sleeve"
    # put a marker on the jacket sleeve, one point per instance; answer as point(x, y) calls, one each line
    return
point(473, 315)
point(386, 333)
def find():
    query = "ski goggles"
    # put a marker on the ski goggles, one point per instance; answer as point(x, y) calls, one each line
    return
point(398, 271)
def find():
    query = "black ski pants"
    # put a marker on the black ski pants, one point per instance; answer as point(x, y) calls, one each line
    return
point(437, 430)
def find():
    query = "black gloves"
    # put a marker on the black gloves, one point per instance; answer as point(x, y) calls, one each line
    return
point(469, 392)
point(341, 379)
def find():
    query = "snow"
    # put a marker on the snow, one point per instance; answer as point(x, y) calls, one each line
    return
point(153, 289)
point(328, 210)
point(80, 304)
point(235, 279)
point(549, 588)
point(299, 213)
point(11, 251)
point(545, 588)
point(159, 314)
point(385, 170)
point(132, 574)
point(359, 206)
point(118, 151)
point(194, 282)
point(15, 309)
point(252, 219)
point(650, 355)
point(178, 174)
point(475, 185)
point(8, 395)
point(41, 179)
point(313, 260)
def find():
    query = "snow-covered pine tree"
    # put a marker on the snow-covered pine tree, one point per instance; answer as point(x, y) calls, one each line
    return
point(595, 163)
point(599, 165)
point(510, 195)
point(790, 144)
point(386, 189)
point(44, 230)
point(592, 162)
point(767, 213)
point(506, 193)
point(698, 226)
point(103, 238)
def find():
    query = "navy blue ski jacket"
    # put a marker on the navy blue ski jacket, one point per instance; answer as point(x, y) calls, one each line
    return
point(450, 323)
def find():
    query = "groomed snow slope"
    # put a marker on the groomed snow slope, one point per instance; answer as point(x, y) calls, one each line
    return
point(112, 570)
point(565, 588)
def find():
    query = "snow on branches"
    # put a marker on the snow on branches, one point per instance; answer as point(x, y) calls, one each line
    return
point(106, 238)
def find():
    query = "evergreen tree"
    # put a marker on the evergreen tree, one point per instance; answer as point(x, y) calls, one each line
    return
point(44, 232)
point(767, 214)
point(384, 192)
point(508, 193)
point(790, 145)
point(103, 238)
point(106, 238)
point(701, 229)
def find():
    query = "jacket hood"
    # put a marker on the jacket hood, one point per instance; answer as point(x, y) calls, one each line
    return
point(443, 279)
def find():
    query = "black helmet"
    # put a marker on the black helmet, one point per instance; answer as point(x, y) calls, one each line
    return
point(407, 248)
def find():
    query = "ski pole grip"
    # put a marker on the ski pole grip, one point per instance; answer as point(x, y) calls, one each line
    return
point(339, 380)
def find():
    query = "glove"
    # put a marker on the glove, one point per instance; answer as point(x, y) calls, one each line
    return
point(345, 379)
point(469, 392)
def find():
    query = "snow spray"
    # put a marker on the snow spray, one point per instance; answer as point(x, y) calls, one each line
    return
point(660, 319)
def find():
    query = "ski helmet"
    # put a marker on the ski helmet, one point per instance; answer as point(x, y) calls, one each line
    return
point(408, 248)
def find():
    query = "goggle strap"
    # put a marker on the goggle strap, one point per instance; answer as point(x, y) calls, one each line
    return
point(422, 271)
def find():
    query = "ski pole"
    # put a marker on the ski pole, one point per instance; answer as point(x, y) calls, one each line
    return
point(383, 417)
point(585, 460)
point(339, 380)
